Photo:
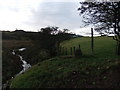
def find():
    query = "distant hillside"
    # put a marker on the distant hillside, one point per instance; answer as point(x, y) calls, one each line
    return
point(18, 35)
point(26, 35)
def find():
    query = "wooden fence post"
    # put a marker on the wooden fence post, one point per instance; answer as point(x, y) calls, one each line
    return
point(74, 49)
point(59, 51)
point(71, 50)
point(92, 40)
point(79, 46)
point(66, 51)
point(63, 51)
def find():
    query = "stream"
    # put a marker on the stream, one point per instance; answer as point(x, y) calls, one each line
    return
point(25, 65)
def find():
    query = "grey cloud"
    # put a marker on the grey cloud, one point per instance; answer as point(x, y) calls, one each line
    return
point(61, 14)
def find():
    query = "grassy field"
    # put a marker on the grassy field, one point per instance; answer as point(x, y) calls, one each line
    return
point(99, 70)
point(103, 46)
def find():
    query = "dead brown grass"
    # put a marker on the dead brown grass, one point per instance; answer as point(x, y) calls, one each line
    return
point(16, 43)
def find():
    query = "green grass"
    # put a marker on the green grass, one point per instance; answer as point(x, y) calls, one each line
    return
point(88, 71)
point(103, 46)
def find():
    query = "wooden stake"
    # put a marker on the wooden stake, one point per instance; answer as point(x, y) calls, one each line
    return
point(92, 41)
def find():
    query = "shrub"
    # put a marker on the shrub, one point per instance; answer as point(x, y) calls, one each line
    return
point(78, 53)
point(44, 54)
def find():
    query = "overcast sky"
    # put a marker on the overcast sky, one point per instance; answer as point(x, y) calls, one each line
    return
point(31, 15)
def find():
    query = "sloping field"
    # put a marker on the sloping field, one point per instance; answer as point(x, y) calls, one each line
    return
point(99, 70)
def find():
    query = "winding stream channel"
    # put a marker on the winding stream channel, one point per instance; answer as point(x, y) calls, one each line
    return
point(25, 65)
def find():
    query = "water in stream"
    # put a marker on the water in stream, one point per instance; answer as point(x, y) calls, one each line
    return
point(25, 65)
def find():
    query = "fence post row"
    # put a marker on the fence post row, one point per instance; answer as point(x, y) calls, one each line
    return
point(64, 51)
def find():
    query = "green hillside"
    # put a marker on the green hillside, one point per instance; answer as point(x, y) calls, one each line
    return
point(98, 70)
